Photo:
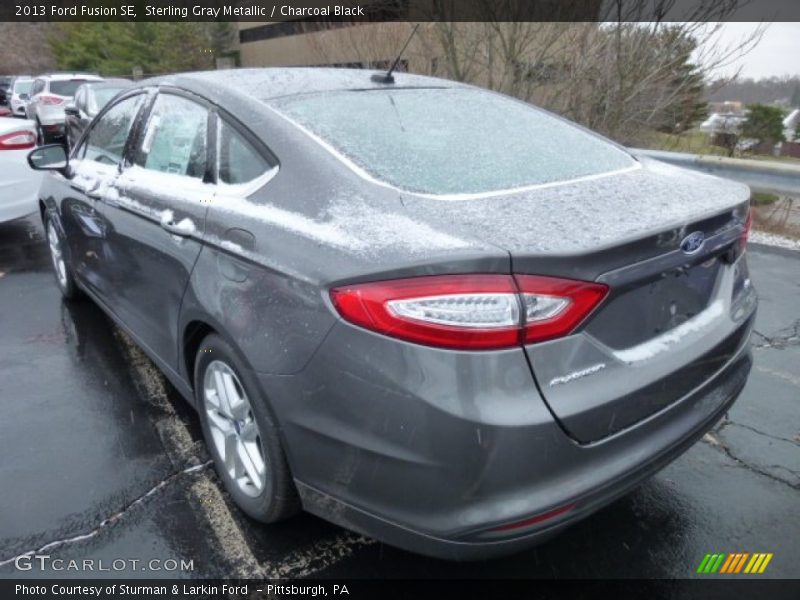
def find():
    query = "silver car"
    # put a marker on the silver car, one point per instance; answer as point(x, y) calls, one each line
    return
point(48, 98)
point(424, 311)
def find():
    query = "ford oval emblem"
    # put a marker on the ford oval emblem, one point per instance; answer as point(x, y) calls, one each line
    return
point(693, 242)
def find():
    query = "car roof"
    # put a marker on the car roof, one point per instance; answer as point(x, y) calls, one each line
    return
point(67, 76)
point(269, 83)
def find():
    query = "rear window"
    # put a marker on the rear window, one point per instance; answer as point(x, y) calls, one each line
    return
point(452, 141)
point(23, 87)
point(66, 87)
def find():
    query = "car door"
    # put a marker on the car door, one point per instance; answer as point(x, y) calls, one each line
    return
point(93, 167)
point(157, 217)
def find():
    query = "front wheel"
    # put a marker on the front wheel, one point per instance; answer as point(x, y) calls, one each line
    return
point(241, 434)
point(66, 283)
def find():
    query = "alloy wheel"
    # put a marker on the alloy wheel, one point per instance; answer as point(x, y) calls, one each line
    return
point(234, 431)
point(56, 255)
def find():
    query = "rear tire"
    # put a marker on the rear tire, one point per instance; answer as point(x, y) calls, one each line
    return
point(242, 435)
point(61, 268)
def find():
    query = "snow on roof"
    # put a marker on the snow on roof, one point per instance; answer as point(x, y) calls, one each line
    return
point(269, 83)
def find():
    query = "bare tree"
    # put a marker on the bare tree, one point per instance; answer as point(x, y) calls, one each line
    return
point(628, 72)
point(25, 48)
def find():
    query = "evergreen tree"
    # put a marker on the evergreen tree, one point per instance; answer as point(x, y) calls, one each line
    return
point(116, 48)
point(764, 123)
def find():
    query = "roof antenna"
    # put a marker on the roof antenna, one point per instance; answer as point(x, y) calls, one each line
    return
point(387, 77)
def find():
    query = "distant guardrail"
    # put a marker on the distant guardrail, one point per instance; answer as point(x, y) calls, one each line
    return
point(763, 176)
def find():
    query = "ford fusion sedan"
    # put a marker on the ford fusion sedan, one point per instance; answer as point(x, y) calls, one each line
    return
point(424, 311)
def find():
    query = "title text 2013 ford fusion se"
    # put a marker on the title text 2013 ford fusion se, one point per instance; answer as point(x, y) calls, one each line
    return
point(421, 310)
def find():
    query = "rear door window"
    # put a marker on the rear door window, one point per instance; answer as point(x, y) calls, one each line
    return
point(176, 137)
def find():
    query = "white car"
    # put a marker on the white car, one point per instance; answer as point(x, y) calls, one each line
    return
point(19, 94)
point(48, 97)
point(19, 184)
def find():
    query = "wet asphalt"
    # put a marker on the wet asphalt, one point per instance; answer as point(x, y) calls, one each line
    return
point(101, 459)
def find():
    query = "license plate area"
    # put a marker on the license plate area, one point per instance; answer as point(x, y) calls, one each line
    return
point(642, 310)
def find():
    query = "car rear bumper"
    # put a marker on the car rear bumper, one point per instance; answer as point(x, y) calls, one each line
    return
point(19, 190)
point(393, 453)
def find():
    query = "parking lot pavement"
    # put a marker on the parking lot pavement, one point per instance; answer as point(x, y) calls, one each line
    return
point(102, 460)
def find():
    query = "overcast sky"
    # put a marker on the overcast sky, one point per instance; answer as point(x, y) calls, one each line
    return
point(778, 53)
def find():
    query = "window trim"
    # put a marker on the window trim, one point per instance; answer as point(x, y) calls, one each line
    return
point(258, 145)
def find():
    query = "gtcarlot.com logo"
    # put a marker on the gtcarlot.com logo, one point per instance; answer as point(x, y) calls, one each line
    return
point(743, 563)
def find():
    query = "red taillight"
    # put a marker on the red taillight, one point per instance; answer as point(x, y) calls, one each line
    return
point(554, 307)
point(17, 140)
point(469, 312)
point(51, 100)
point(748, 225)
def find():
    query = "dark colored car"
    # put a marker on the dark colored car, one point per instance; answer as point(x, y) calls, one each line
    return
point(89, 100)
point(5, 84)
point(421, 310)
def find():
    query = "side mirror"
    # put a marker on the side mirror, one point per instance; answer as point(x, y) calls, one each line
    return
point(52, 157)
point(71, 109)
point(24, 97)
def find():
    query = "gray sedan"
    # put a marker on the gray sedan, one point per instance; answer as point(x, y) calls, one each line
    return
point(421, 310)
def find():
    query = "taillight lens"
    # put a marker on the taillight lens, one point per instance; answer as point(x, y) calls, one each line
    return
point(469, 312)
point(17, 140)
point(748, 225)
point(51, 100)
point(555, 307)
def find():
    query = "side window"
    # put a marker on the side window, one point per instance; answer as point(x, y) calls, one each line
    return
point(239, 161)
point(106, 141)
point(38, 86)
point(176, 137)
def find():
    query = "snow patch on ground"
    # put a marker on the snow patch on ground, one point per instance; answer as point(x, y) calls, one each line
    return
point(773, 239)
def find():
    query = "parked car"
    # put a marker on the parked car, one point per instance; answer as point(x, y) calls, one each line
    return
point(20, 94)
point(425, 311)
point(5, 82)
point(19, 184)
point(87, 102)
point(48, 97)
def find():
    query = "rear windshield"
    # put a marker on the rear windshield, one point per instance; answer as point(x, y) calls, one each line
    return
point(23, 87)
point(452, 141)
point(66, 87)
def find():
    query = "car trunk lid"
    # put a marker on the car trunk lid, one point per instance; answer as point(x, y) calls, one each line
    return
point(670, 318)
